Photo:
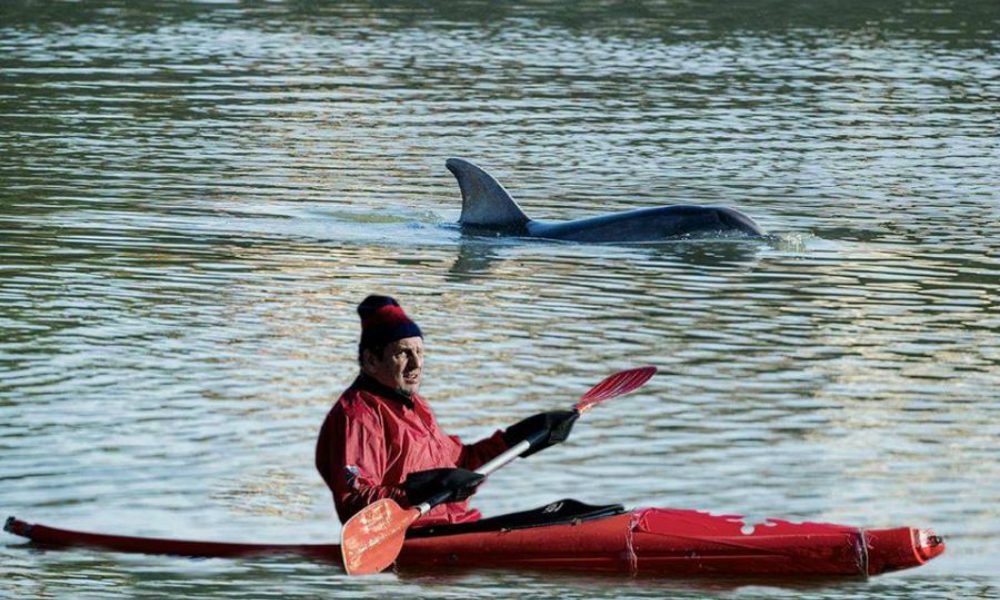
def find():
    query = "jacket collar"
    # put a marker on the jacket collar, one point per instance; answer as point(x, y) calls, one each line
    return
point(367, 383)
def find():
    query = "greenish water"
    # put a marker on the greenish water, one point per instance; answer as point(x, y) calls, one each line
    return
point(194, 197)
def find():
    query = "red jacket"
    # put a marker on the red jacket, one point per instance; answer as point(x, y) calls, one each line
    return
point(374, 437)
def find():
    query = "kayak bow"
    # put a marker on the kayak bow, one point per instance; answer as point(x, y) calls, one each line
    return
point(570, 536)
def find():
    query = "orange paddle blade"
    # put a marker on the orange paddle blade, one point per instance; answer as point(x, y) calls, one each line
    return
point(371, 540)
point(620, 383)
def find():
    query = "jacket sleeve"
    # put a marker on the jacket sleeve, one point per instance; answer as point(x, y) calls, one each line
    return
point(473, 456)
point(351, 457)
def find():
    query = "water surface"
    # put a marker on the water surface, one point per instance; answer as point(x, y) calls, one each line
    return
point(194, 198)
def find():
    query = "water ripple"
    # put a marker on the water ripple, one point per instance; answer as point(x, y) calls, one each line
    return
point(195, 197)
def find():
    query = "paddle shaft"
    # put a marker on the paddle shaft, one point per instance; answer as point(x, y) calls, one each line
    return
point(612, 386)
point(499, 461)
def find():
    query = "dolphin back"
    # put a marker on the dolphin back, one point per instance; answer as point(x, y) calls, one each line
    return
point(652, 225)
point(485, 203)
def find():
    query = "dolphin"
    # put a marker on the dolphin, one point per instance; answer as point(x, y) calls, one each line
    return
point(486, 206)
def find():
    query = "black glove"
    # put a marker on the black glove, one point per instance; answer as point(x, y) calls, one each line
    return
point(420, 486)
point(553, 426)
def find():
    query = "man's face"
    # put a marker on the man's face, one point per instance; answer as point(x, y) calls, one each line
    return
point(401, 365)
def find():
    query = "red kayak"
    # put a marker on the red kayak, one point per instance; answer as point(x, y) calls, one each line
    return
point(571, 536)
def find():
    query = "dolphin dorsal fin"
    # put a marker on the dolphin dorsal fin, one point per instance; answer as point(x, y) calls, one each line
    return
point(485, 203)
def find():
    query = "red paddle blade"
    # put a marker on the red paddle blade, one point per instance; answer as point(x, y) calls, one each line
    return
point(615, 385)
point(371, 540)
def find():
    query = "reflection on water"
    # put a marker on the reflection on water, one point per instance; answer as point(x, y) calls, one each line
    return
point(194, 197)
point(477, 254)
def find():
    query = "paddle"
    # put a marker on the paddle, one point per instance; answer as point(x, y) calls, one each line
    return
point(372, 539)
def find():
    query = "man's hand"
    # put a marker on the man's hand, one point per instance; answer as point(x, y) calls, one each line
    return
point(554, 427)
point(420, 486)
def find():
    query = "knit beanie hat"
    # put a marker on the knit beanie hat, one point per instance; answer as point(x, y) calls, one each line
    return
point(383, 322)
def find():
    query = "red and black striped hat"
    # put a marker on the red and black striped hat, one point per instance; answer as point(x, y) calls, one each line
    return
point(383, 322)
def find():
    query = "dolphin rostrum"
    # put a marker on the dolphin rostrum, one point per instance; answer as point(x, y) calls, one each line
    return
point(486, 205)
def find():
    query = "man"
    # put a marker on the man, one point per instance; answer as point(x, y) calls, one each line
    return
point(381, 440)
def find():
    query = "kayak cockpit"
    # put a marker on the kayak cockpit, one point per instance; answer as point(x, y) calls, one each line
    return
point(561, 512)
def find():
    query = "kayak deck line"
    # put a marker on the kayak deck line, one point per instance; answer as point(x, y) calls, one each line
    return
point(644, 542)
